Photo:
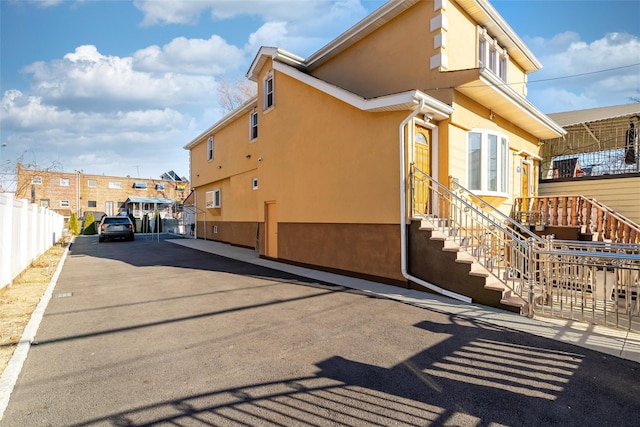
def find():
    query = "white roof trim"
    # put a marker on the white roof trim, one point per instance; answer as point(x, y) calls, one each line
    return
point(492, 81)
point(400, 101)
point(275, 54)
point(247, 106)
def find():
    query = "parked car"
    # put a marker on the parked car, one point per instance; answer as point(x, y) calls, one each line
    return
point(115, 227)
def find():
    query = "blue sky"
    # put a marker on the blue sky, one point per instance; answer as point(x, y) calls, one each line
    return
point(119, 87)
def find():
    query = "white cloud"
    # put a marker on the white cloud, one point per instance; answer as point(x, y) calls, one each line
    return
point(190, 56)
point(89, 79)
point(579, 75)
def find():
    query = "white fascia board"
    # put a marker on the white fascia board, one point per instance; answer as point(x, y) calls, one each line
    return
point(399, 101)
point(369, 24)
point(243, 109)
point(492, 81)
point(276, 54)
point(486, 15)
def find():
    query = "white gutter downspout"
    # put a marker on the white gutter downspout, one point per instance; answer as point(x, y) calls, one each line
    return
point(403, 219)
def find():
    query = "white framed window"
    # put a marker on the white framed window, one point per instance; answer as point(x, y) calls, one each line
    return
point(487, 159)
point(92, 183)
point(64, 182)
point(268, 99)
point(212, 198)
point(92, 204)
point(491, 55)
point(116, 185)
point(36, 180)
point(210, 148)
point(253, 125)
point(44, 203)
point(160, 187)
point(254, 183)
point(64, 203)
point(140, 185)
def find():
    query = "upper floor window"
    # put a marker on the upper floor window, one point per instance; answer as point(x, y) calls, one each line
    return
point(116, 185)
point(210, 148)
point(36, 180)
point(64, 203)
point(140, 185)
point(44, 203)
point(491, 55)
point(487, 153)
point(92, 204)
point(64, 182)
point(92, 183)
point(268, 91)
point(160, 187)
point(212, 198)
point(253, 125)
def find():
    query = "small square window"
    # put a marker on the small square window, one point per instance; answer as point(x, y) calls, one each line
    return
point(64, 182)
point(92, 183)
point(254, 183)
point(36, 180)
point(64, 203)
point(115, 185)
point(92, 204)
point(44, 203)
point(160, 187)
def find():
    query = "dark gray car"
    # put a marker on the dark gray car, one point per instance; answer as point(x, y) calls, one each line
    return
point(115, 227)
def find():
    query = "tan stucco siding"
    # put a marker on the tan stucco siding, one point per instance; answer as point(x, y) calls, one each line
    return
point(620, 194)
point(331, 162)
point(462, 39)
point(392, 59)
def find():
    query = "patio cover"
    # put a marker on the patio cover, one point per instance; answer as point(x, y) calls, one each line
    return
point(159, 201)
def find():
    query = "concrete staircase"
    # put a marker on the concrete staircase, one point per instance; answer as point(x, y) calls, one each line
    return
point(439, 255)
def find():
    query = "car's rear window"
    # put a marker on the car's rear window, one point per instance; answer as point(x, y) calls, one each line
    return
point(116, 221)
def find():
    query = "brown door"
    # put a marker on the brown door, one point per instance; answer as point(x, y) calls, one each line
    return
point(271, 232)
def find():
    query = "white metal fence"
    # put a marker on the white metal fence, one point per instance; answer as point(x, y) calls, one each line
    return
point(26, 232)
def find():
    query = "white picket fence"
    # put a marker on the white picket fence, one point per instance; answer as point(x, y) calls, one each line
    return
point(26, 232)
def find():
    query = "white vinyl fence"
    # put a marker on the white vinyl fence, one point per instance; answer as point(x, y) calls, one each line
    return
point(26, 232)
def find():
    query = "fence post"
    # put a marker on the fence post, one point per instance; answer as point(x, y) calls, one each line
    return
point(531, 269)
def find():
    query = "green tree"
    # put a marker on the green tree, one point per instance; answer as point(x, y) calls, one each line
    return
point(74, 225)
point(90, 224)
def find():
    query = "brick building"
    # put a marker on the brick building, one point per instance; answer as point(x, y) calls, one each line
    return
point(80, 193)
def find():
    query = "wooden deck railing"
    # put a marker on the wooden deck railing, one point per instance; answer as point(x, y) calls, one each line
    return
point(592, 217)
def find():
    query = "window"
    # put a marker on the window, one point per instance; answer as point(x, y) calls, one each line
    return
point(64, 203)
point(487, 153)
point(212, 198)
point(92, 183)
point(36, 180)
point(140, 185)
point(160, 187)
point(64, 182)
point(491, 55)
point(254, 183)
point(44, 203)
point(253, 125)
point(268, 91)
point(115, 185)
point(210, 149)
point(92, 204)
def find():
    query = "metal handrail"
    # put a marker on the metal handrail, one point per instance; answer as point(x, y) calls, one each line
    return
point(500, 250)
point(525, 232)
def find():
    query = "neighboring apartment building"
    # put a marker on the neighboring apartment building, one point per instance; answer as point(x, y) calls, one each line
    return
point(315, 170)
point(80, 193)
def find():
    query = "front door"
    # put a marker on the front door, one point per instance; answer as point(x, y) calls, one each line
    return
point(422, 161)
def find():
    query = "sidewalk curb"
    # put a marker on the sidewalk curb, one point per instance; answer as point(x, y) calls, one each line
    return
point(12, 371)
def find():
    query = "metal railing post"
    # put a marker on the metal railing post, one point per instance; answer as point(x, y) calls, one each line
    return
point(531, 270)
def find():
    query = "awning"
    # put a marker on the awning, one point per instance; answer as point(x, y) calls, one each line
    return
point(159, 201)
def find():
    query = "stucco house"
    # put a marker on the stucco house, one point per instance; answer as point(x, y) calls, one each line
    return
point(320, 168)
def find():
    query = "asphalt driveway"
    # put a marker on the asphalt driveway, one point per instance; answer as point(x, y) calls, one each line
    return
point(152, 333)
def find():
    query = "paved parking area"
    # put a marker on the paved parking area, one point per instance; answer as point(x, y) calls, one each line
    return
point(156, 333)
